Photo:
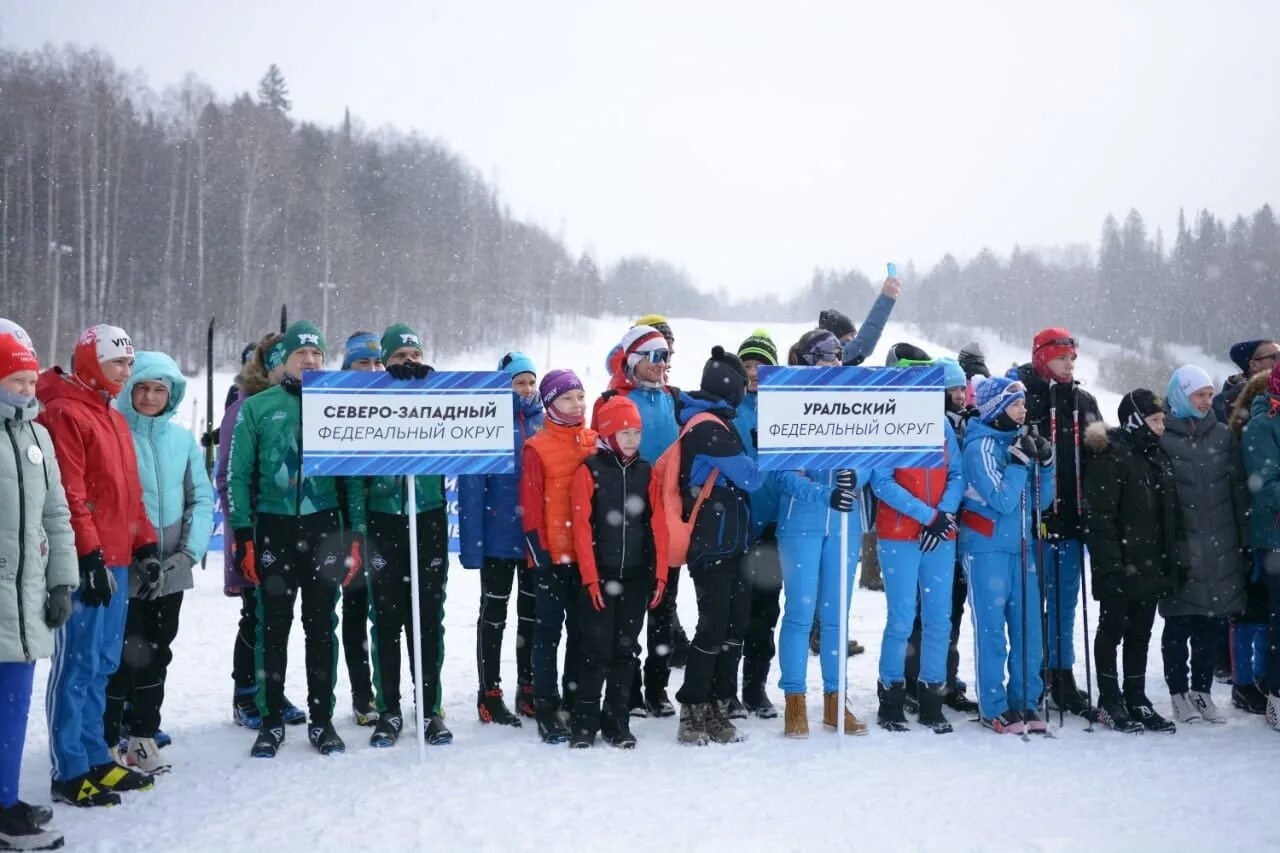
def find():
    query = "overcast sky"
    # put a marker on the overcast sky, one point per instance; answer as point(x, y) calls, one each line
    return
point(750, 143)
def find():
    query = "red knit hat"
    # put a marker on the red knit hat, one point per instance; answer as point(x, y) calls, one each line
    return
point(616, 414)
point(14, 356)
point(1050, 344)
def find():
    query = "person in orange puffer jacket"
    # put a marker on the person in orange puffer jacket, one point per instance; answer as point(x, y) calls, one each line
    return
point(548, 464)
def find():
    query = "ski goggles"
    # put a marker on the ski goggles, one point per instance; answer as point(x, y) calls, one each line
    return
point(821, 354)
point(914, 362)
point(1059, 342)
point(657, 356)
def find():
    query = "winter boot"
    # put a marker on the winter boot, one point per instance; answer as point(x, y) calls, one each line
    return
point(244, 708)
point(659, 704)
point(732, 708)
point(1203, 703)
point(1184, 710)
point(957, 700)
point(719, 727)
point(144, 754)
point(364, 712)
point(692, 730)
point(795, 717)
point(1008, 723)
point(854, 648)
point(679, 645)
point(492, 709)
point(1140, 710)
point(268, 741)
point(550, 725)
point(1249, 698)
point(525, 705)
point(637, 708)
point(889, 715)
point(325, 739)
point(113, 777)
point(82, 791)
point(1273, 711)
point(1065, 696)
point(830, 708)
point(437, 733)
point(39, 815)
point(19, 831)
point(387, 730)
point(292, 714)
point(754, 675)
point(616, 728)
point(911, 698)
point(931, 715)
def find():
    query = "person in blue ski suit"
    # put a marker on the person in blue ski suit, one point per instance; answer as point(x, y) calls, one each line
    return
point(916, 531)
point(810, 514)
point(1003, 469)
point(858, 344)
point(491, 539)
point(179, 502)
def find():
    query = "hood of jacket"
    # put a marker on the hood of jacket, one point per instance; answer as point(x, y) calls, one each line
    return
point(54, 384)
point(152, 367)
point(694, 402)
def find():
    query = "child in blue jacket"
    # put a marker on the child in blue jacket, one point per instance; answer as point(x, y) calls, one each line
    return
point(491, 539)
point(1004, 469)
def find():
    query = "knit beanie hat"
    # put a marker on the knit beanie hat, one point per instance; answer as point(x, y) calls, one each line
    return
point(15, 356)
point(614, 415)
point(1136, 407)
point(973, 360)
point(836, 323)
point(1050, 344)
point(1241, 353)
point(759, 347)
point(302, 334)
point(515, 363)
point(555, 383)
point(274, 356)
point(641, 340)
point(397, 336)
point(360, 346)
point(952, 374)
point(899, 353)
point(247, 353)
point(98, 344)
point(1184, 382)
point(996, 394)
point(8, 327)
point(657, 321)
point(723, 376)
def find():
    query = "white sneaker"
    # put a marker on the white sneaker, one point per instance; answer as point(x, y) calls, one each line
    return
point(1184, 710)
point(1203, 702)
point(145, 755)
point(1273, 711)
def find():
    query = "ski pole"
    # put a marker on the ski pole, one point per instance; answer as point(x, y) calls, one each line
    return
point(1043, 701)
point(210, 451)
point(1022, 527)
point(1084, 582)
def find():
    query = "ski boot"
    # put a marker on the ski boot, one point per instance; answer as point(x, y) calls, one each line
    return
point(492, 709)
point(325, 739)
point(268, 741)
point(387, 730)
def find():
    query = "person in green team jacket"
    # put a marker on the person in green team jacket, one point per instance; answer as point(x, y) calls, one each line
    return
point(383, 500)
point(288, 540)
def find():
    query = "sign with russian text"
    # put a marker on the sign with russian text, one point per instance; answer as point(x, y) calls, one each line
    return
point(818, 418)
point(370, 424)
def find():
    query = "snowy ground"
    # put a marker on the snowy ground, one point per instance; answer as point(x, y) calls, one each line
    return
point(499, 788)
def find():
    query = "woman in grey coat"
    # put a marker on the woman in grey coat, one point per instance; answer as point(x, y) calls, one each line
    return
point(38, 571)
point(1209, 473)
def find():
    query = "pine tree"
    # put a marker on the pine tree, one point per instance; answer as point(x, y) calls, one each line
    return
point(273, 91)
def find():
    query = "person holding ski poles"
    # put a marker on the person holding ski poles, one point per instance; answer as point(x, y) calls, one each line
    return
point(1002, 466)
point(916, 535)
point(1059, 409)
point(1136, 539)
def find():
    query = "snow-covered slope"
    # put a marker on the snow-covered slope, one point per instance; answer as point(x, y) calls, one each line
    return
point(501, 789)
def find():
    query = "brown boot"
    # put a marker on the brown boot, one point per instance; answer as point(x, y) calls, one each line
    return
point(795, 722)
point(852, 725)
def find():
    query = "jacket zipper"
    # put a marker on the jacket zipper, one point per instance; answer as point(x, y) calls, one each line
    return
point(22, 529)
point(623, 562)
point(297, 504)
point(155, 454)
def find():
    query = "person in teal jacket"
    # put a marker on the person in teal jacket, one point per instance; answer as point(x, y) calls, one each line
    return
point(179, 503)
point(1261, 440)
point(384, 502)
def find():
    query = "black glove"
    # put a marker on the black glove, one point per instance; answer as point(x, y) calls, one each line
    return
point(96, 580)
point(152, 573)
point(1023, 450)
point(57, 608)
point(937, 530)
point(211, 438)
point(410, 370)
point(842, 500)
point(1044, 447)
point(846, 478)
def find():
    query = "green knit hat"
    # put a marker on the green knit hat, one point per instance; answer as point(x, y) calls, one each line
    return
point(760, 347)
point(398, 336)
point(302, 334)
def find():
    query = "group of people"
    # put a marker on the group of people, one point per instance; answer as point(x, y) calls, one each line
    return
point(1178, 506)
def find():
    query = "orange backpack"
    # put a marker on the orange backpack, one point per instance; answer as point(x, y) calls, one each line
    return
point(664, 496)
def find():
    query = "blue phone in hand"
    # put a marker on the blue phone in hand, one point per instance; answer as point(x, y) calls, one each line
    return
point(893, 269)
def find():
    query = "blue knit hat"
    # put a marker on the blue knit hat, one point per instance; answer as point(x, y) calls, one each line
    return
point(515, 363)
point(360, 345)
point(952, 374)
point(996, 394)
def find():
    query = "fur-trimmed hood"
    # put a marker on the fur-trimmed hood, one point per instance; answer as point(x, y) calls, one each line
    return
point(1097, 437)
point(253, 378)
point(1243, 405)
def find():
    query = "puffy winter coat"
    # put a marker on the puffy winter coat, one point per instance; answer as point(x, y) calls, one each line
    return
point(911, 497)
point(99, 468)
point(765, 499)
point(994, 488)
point(1262, 462)
point(37, 546)
point(1133, 525)
point(1211, 492)
point(175, 487)
point(550, 460)
point(613, 520)
point(489, 505)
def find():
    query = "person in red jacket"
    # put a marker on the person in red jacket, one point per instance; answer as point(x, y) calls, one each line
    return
point(547, 467)
point(100, 477)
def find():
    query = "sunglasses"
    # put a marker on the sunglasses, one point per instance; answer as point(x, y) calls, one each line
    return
point(659, 356)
